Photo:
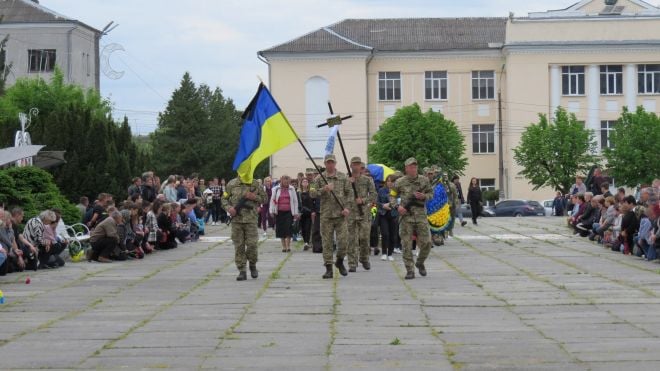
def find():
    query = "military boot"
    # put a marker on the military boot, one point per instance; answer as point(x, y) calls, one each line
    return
point(340, 265)
point(421, 268)
point(253, 270)
point(366, 265)
point(242, 276)
point(328, 272)
point(410, 275)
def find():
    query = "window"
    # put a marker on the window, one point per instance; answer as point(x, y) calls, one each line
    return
point(389, 86)
point(487, 185)
point(648, 78)
point(483, 138)
point(435, 85)
point(606, 128)
point(572, 80)
point(611, 80)
point(41, 60)
point(483, 84)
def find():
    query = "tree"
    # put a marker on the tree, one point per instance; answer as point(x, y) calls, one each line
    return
point(197, 133)
point(551, 154)
point(100, 153)
point(634, 151)
point(429, 137)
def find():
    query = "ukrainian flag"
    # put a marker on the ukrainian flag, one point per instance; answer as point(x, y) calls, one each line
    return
point(265, 131)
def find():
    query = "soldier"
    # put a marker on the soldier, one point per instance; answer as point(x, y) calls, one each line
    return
point(414, 191)
point(453, 200)
point(333, 217)
point(359, 223)
point(241, 201)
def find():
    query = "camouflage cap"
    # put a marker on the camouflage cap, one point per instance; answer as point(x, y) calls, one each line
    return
point(329, 158)
point(356, 159)
point(310, 170)
point(411, 161)
point(426, 170)
point(435, 169)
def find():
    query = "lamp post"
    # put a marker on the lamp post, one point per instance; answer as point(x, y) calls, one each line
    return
point(22, 137)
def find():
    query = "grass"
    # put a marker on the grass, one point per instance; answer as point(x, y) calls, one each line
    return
point(395, 341)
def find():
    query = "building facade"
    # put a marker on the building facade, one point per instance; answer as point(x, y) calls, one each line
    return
point(41, 39)
point(592, 58)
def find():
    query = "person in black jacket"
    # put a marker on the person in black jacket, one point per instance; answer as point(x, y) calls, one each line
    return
point(457, 182)
point(628, 223)
point(474, 199)
point(148, 191)
point(167, 237)
point(306, 202)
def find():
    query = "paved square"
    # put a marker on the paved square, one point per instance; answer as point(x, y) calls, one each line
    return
point(510, 294)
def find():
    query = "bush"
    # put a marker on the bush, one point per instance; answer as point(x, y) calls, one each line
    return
point(493, 195)
point(34, 190)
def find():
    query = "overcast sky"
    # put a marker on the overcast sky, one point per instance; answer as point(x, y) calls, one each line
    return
point(217, 40)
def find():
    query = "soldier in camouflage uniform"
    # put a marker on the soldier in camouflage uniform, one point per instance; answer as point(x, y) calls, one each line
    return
point(359, 224)
point(247, 198)
point(333, 217)
point(453, 200)
point(414, 191)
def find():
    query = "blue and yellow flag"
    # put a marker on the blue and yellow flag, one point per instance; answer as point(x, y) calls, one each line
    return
point(265, 131)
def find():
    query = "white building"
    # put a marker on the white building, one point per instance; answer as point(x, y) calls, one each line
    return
point(40, 39)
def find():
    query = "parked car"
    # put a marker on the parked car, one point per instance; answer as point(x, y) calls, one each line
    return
point(516, 208)
point(547, 205)
point(466, 210)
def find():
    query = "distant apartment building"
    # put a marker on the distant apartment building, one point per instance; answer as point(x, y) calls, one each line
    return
point(592, 58)
point(41, 39)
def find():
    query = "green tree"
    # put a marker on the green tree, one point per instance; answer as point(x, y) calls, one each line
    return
point(429, 137)
point(552, 153)
point(634, 151)
point(100, 153)
point(197, 133)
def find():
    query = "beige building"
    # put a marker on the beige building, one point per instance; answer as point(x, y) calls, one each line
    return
point(592, 58)
point(41, 39)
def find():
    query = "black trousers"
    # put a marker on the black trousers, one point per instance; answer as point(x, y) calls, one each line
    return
point(476, 210)
point(103, 247)
point(316, 234)
point(388, 232)
point(306, 227)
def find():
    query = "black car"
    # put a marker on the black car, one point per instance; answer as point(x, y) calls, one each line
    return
point(516, 208)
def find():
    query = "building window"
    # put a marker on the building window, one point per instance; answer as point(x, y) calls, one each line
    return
point(572, 80)
point(41, 60)
point(487, 185)
point(648, 78)
point(611, 80)
point(435, 85)
point(483, 85)
point(606, 128)
point(483, 138)
point(389, 86)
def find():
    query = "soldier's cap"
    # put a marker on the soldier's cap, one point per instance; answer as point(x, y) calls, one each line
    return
point(435, 169)
point(411, 161)
point(310, 170)
point(329, 158)
point(427, 170)
point(356, 160)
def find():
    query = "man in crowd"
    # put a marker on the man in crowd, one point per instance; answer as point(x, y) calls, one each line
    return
point(333, 214)
point(457, 182)
point(359, 220)
point(414, 191)
point(242, 201)
point(105, 238)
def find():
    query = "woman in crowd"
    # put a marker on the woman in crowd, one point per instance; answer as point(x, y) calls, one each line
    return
point(474, 199)
point(167, 230)
point(284, 207)
point(265, 217)
point(170, 189)
point(306, 210)
point(387, 217)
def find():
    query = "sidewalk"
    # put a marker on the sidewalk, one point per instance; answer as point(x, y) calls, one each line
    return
point(510, 294)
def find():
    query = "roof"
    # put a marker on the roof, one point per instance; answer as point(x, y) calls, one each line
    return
point(403, 34)
point(29, 11)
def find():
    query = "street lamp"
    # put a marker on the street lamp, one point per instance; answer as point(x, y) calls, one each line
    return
point(22, 137)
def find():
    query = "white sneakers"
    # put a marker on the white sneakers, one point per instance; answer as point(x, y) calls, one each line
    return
point(383, 257)
point(397, 251)
point(390, 258)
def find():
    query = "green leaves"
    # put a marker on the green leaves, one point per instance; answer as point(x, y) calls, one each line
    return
point(634, 153)
point(429, 137)
point(197, 133)
point(552, 154)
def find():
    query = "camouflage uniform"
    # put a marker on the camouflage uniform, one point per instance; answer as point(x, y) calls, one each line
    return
point(454, 203)
point(244, 225)
point(359, 226)
point(415, 220)
point(332, 220)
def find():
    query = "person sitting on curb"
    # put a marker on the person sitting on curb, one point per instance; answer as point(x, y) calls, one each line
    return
point(104, 238)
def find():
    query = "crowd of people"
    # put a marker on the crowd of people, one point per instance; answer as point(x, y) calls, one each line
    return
point(620, 222)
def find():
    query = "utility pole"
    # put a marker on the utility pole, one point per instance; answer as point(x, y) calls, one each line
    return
point(500, 135)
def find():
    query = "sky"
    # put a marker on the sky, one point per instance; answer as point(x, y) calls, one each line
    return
point(217, 40)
